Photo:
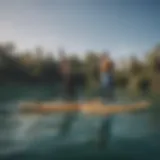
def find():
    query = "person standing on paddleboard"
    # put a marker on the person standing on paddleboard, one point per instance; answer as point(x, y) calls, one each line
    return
point(68, 91)
point(107, 94)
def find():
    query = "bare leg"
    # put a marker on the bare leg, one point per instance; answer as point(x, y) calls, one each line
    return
point(104, 133)
point(69, 118)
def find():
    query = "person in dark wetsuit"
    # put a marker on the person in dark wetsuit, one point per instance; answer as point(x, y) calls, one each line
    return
point(67, 78)
point(69, 93)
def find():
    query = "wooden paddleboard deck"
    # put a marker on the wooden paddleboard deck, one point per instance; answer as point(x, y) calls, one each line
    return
point(48, 107)
point(91, 107)
point(114, 108)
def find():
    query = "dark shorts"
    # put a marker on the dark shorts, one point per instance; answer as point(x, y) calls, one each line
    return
point(68, 86)
point(106, 80)
point(107, 85)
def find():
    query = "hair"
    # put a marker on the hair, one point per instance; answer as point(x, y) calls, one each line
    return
point(105, 55)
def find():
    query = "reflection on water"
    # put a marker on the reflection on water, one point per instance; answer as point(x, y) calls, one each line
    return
point(40, 134)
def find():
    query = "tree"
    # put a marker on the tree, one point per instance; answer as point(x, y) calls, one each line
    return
point(39, 52)
point(151, 58)
point(76, 64)
point(9, 48)
point(135, 66)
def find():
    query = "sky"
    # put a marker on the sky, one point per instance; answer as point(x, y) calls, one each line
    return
point(122, 27)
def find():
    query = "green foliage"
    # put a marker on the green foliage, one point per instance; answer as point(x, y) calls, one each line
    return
point(76, 64)
point(30, 64)
point(121, 79)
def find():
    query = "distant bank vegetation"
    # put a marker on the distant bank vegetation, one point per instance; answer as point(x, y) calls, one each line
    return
point(39, 66)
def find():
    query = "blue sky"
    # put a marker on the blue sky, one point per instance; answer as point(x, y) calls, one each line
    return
point(122, 27)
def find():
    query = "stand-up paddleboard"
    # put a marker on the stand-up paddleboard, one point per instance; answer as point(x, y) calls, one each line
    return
point(91, 107)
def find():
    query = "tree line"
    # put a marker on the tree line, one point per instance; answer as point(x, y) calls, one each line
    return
point(33, 67)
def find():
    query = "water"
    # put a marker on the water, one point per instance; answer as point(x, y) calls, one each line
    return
point(29, 137)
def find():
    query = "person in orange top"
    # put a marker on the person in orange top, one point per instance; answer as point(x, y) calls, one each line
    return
point(106, 64)
point(107, 87)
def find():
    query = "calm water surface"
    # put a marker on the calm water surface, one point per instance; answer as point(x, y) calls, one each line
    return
point(133, 136)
